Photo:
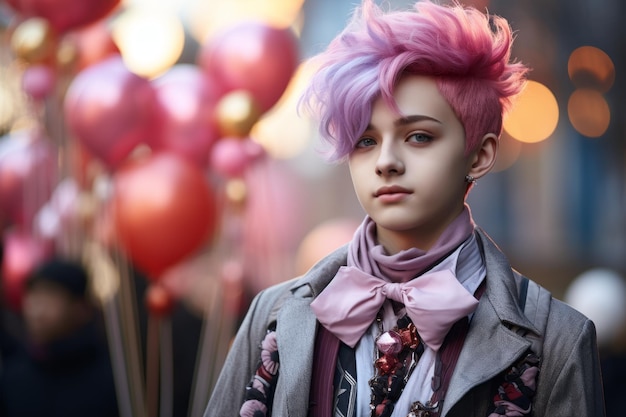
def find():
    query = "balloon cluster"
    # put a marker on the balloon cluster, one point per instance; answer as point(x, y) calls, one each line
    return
point(195, 120)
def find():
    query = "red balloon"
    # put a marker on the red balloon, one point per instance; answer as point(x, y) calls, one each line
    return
point(110, 110)
point(164, 210)
point(186, 100)
point(93, 44)
point(252, 56)
point(65, 14)
point(158, 300)
point(28, 174)
point(22, 253)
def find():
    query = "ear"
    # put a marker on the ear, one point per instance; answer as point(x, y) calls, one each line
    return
point(484, 157)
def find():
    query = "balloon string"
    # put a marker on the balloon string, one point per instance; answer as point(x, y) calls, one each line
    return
point(167, 368)
point(129, 322)
point(205, 358)
point(152, 366)
point(116, 347)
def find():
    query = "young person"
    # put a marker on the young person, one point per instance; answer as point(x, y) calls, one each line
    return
point(420, 314)
point(64, 368)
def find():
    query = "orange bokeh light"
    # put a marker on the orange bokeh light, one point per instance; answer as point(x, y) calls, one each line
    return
point(534, 115)
point(590, 67)
point(589, 112)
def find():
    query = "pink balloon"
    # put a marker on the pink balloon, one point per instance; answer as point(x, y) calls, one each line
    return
point(231, 157)
point(38, 81)
point(28, 174)
point(110, 110)
point(65, 14)
point(252, 56)
point(186, 99)
point(22, 253)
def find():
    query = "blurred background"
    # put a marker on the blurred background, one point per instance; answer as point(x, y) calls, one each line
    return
point(157, 142)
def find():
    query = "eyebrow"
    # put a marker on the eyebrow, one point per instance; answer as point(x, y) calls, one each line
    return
point(406, 120)
point(414, 118)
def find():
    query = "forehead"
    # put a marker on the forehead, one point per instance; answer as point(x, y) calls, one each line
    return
point(44, 288)
point(418, 95)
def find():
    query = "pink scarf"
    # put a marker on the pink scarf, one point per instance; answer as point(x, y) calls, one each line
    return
point(370, 257)
point(349, 304)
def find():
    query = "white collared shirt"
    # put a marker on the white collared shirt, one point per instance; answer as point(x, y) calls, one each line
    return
point(469, 268)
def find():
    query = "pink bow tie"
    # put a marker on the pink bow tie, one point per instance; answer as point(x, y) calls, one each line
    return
point(434, 302)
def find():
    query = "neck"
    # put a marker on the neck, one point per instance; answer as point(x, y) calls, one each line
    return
point(399, 266)
point(423, 238)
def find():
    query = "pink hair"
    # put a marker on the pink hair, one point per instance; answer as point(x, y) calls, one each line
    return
point(466, 51)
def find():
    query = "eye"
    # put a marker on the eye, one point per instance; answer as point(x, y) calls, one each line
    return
point(364, 143)
point(419, 138)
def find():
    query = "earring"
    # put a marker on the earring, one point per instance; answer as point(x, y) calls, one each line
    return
point(470, 180)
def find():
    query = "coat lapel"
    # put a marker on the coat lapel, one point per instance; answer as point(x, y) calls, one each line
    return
point(491, 346)
point(296, 335)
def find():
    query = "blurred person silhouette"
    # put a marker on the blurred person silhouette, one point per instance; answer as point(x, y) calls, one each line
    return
point(63, 368)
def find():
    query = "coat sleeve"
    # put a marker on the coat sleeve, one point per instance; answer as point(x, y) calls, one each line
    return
point(243, 357)
point(570, 381)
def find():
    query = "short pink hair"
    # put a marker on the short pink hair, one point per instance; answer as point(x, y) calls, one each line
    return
point(466, 51)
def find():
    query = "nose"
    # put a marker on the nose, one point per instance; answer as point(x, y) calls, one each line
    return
point(389, 160)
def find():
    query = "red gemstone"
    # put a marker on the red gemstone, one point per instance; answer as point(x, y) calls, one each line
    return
point(409, 336)
point(386, 364)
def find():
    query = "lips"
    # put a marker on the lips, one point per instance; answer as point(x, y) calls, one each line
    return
point(391, 190)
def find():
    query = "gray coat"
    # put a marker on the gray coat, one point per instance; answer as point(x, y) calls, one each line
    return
point(569, 383)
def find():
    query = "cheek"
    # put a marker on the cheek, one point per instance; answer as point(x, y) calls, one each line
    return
point(358, 191)
point(361, 182)
point(440, 178)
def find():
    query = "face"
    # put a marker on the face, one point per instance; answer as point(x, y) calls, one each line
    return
point(409, 169)
point(50, 312)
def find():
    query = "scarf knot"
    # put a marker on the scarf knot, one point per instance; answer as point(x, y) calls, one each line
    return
point(394, 291)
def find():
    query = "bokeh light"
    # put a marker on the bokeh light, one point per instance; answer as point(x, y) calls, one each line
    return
point(534, 115)
point(282, 132)
point(591, 67)
point(322, 240)
point(34, 40)
point(151, 41)
point(13, 101)
point(105, 282)
point(589, 112)
point(209, 16)
point(600, 294)
point(478, 4)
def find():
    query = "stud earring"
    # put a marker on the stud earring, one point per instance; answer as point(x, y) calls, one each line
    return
point(470, 180)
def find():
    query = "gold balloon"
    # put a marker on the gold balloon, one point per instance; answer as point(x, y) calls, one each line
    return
point(67, 54)
point(237, 112)
point(236, 191)
point(34, 40)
